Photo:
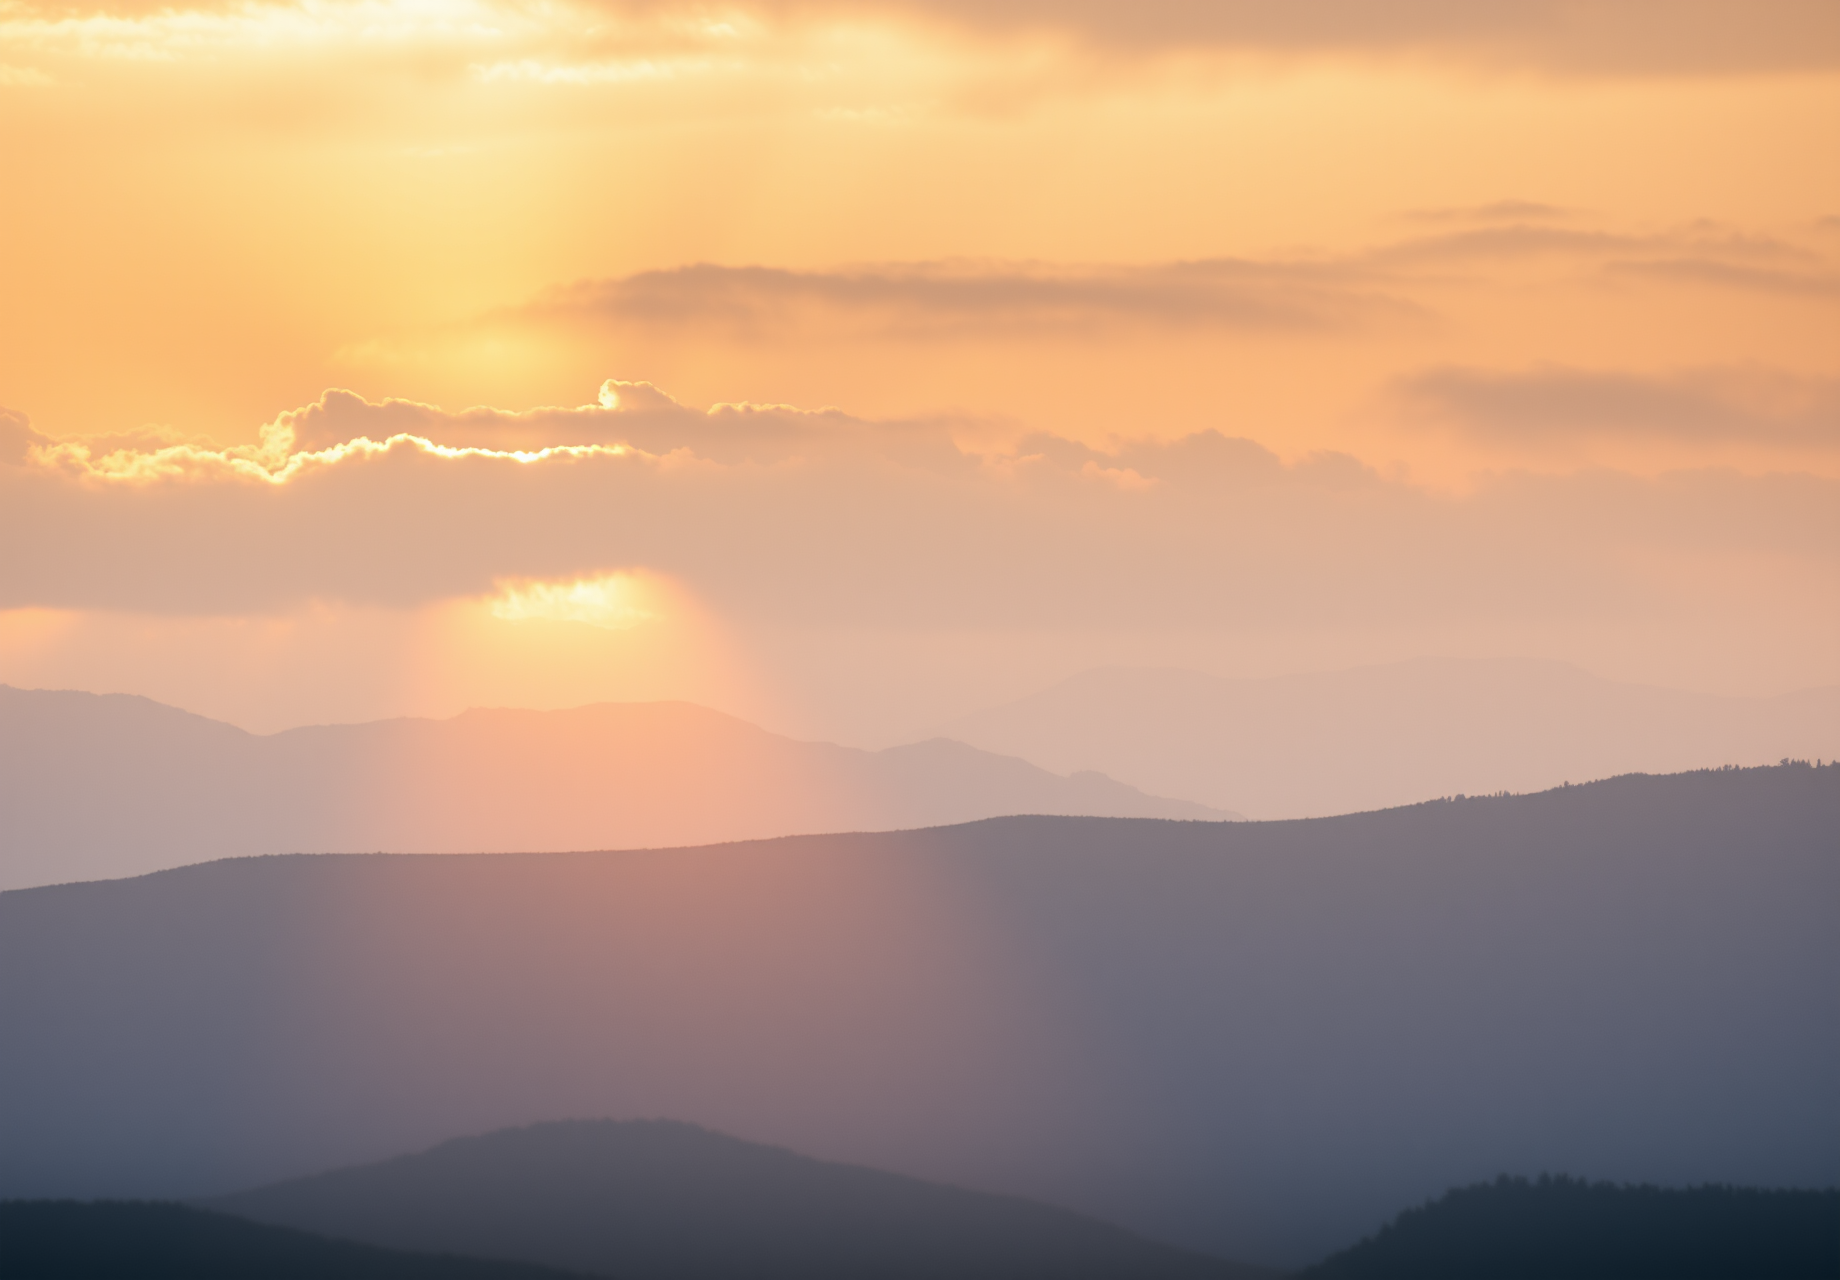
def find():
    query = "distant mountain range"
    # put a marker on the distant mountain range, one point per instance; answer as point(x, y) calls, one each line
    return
point(666, 1201)
point(1368, 738)
point(100, 786)
point(1522, 1229)
point(1256, 1040)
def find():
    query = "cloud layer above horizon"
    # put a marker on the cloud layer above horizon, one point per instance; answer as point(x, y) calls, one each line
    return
point(1232, 335)
point(777, 519)
point(774, 510)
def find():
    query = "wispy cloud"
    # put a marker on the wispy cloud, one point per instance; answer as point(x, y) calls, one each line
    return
point(1363, 289)
point(1754, 406)
point(1522, 241)
point(918, 299)
point(1644, 37)
point(1632, 37)
point(1493, 211)
point(1816, 283)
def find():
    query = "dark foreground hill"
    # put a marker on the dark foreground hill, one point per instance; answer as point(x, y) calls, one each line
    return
point(1257, 1040)
point(1567, 1229)
point(66, 1240)
point(669, 1201)
point(94, 787)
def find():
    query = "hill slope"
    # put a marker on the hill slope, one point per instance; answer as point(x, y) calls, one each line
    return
point(1513, 1229)
point(95, 787)
point(1345, 741)
point(674, 1202)
point(1253, 1039)
point(65, 1240)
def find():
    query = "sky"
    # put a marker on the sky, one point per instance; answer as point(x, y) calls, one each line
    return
point(852, 365)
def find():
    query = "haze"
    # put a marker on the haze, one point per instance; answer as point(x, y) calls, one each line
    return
point(1221, 616)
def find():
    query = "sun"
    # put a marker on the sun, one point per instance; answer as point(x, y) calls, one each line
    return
point(612, 601)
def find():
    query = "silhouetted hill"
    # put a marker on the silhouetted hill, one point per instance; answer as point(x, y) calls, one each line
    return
point(67, 1240)
point(671, 1201)
point(96, 786)
point(1346, 741)
point(1257, 1040)
point(1567, 1229)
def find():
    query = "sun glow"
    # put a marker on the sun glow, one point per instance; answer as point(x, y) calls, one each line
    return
point(274, 461)
point(610, 601)
point(326, 662)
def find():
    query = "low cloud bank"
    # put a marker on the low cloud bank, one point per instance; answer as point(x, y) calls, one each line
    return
point(818, 517)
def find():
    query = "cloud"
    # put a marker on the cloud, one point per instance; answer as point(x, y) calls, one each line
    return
point(17, 436)
point(634, 414)
point(1520, 241)
point(821, 519)
point(1494, 211)
point(487, 70)
point(1642, 37)
point(1751, 406)
point(1818, 284)
point(937, 299)
point(23, 77)
point(1630, 37)
point(136, 30)
point(1367, 290)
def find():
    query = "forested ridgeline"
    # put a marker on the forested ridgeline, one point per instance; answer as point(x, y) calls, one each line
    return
point(1555, 1228)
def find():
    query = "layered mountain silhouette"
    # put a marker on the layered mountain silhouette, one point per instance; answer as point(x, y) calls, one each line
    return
point(96, 786)
point(1522, 1229)
point(1256, 1040)
point(668, 1201)
point(1346, 741)
point(66, 1240)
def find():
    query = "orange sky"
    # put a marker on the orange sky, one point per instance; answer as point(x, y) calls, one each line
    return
point(1563, 278)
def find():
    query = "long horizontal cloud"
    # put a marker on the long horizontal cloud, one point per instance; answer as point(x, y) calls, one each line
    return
point(1652, 36)
point(1493, 211)
point(1364, 290)
point(1754, 406)
point(1523, 240)
point(1630, 37)
point(1818, 285)
point(913, 299)
point(822, 519)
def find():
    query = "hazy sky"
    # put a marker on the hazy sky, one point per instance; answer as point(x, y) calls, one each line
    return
point(1243, 337)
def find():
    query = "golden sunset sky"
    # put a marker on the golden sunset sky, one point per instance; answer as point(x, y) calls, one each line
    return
point(984, 343)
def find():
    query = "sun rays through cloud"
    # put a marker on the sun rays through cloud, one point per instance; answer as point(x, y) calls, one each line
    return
point(610, 601)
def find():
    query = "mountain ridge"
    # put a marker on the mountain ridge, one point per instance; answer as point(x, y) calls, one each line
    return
point(1251, 1039)
point(675, 1201)
point(104, 785)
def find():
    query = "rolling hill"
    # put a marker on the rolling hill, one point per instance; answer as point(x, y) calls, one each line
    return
point(1256, 1040)
point(102, 786)
point(1345, 741)
point(669, 1201)
point(67, 1240)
